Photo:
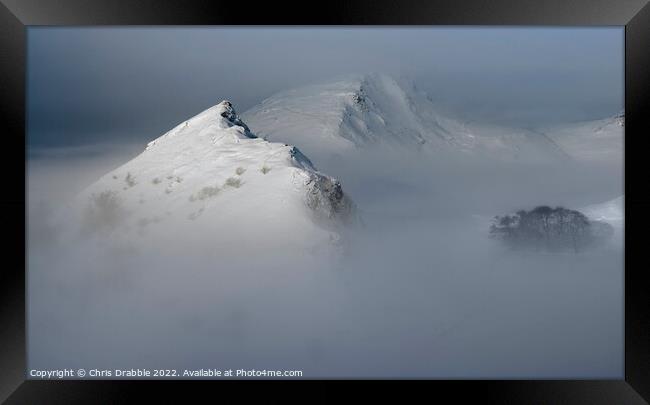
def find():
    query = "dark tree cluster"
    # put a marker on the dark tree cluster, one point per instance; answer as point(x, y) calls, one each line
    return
point(550, 229)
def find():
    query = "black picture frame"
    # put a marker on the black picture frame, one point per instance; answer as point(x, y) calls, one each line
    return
point(16, 15)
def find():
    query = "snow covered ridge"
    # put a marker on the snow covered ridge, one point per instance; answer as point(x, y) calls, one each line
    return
point(212, 172)
point(360, 111)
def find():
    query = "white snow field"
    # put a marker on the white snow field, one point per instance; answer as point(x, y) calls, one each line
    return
point(358, 111)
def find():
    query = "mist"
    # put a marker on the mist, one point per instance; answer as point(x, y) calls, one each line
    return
point(419, 290)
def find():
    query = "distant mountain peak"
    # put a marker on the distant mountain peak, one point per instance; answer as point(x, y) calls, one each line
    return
point(358, 111)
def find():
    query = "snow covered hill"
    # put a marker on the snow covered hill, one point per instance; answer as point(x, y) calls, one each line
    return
point(355, 112)
point(211, 177)
point(599, 141)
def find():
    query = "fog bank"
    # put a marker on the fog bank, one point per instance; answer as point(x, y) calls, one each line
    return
point(418, 291)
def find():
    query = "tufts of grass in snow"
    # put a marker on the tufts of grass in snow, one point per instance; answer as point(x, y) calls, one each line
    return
point(233, 182)
point(205, 192)
point(130, 180)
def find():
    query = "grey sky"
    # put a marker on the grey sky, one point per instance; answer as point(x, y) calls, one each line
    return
point(107, 85)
